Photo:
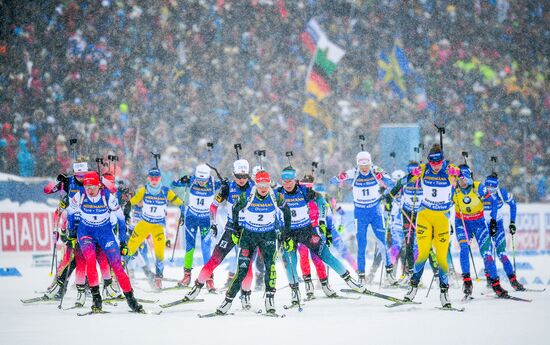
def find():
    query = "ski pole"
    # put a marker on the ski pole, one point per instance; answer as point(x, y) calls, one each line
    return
point(54, 251)
point(387, 226)
point(176, 239)
point(431, 283)
point(381, 275)
point(54, 255)
point(65, 283)
point(514, 253)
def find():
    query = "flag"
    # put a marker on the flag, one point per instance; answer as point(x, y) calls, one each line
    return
point(311, 35)
point(393, 67)
point(256, 119)
point(312, 108)
point(327, 55)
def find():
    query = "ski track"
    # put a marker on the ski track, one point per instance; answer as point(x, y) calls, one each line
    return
point(323, 321)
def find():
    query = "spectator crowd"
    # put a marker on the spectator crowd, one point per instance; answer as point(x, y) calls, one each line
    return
point(130, 77)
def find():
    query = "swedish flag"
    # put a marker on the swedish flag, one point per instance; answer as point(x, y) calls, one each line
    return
point(392, 68)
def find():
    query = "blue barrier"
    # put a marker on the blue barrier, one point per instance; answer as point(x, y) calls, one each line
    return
point(523, 266)
point(9, 272)
point(523, 281)
point(537, 280)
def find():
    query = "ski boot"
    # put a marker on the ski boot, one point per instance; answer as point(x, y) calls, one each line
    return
point(132, 302)
point(294, 294)
point(186, 280)
point(80, 295)
point(361, 279)
point(444, 296)
point(488, 280)
point(309, 287)
point(515, 283)
point(270, 302)
point(352, 283)
point(191, 295)
point(54, 291)
point(259, 281)
point(225, 306)
point(413, 289)
point(210, 284)
point(245, 299)
point(390, 276)
point(230, 277)
point(495, 285)
point(109, 291)
point(96, 299)
point(467, 287)
point(326, 288)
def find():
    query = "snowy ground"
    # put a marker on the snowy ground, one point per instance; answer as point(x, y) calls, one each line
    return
point(486, 320)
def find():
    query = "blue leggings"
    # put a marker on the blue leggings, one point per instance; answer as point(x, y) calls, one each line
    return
point(313, 242)
point(363, 219)
point(291, 262)
point(478, 229)
point(500, 244)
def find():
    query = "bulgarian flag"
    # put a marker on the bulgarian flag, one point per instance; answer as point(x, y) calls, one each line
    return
point(322, 66)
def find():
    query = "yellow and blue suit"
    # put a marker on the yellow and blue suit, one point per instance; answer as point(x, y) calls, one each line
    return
point(432, 227)
point(153, 203)
point(470, 222)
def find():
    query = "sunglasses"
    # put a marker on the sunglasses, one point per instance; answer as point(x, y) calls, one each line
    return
point(241, 176)
point(436, 163)
point(262, 185)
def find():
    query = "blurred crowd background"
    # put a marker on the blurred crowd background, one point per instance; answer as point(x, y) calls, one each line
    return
point(132, 77)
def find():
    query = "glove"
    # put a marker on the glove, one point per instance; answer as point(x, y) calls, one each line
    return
point(512, 228)
point(71, 241)
point(168, 243)
point(62, 178)
point(55, 235)
point(326, 232)
point(388, 206)
point(453, 171)
point(214, 229)
point(64, 202)
point(123, 248)
point(236, 236)
point(288, 244)
point(493, 227)
point(342, 176)
point(63, 236)
point(184, 179)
